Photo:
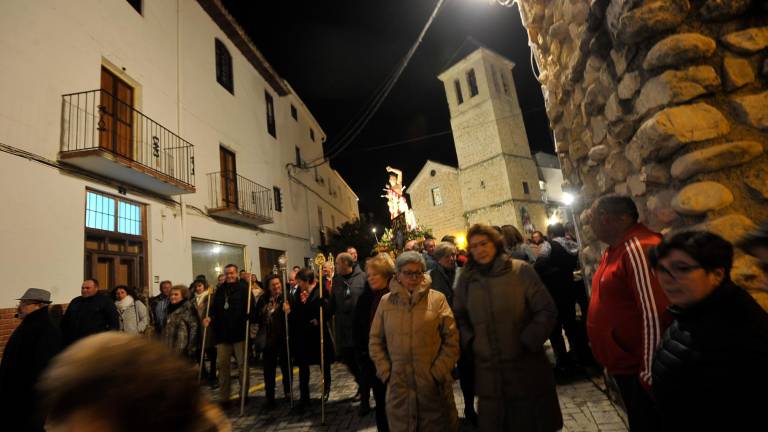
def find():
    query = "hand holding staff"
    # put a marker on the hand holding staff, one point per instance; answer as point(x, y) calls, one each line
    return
point(244, 374)
point(206, 320)
point(319, 261)
point(283, 261)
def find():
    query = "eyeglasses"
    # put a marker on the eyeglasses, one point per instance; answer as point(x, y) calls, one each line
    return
point(412, 275)
point(678, 271)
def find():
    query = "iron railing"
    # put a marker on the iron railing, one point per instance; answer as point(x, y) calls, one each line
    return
point(230, 190)
point(97, 120)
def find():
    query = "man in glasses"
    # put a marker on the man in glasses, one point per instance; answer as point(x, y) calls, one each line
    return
point(31, 346)
point(628, 309)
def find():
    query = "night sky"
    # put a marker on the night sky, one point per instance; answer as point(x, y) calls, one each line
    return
point(337, 53)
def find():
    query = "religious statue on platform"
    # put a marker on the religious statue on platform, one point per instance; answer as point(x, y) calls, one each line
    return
point(395, 195)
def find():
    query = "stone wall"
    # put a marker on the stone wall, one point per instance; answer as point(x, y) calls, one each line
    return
point(446, 218)
point(664, 100)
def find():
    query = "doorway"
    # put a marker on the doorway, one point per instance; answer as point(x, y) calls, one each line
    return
point(268, 259)
point(116, 115)
point(228, 178)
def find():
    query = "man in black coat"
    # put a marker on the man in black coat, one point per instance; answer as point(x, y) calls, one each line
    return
point(31, 346)
point(348, 285)
point(89, 314)
point(228, 316)
point(444, 274)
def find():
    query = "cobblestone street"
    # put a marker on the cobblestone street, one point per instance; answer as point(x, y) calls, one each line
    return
point(585, 408)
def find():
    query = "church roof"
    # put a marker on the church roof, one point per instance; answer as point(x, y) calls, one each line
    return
point(428, 166)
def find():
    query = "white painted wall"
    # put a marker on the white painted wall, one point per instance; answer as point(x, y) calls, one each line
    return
point(54, 47)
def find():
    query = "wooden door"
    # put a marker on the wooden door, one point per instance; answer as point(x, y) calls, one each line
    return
point(113, 270)
point(268, 260)
point(116, 122)
point(228, 178)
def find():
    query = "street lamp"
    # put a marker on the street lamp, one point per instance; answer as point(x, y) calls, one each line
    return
point(373, 230)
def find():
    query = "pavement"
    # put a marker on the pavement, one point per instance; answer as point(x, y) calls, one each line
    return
point(583, 402)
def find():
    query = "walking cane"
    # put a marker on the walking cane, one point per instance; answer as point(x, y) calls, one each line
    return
point(283, 261)
point(205, 334)
point(319, 261)
point(244, 375)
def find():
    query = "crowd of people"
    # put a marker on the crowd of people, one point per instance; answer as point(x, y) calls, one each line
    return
point(684, 345)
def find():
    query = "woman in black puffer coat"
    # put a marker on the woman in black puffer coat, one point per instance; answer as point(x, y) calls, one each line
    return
point(710, 371)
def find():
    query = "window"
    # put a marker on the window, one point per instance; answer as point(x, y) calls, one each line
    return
point(320, 216)
point(270, 114)
point(224, 67)
point(495, 79)
point(526, 190)
point(472, 82)
point(103, 212)
point(504, 83)
point(136, 4)
point(312, 134)
point(278, 195)
point(298, 157)
point(437, 199)
point(333, 221)
point(459, 96)
point(294, 113)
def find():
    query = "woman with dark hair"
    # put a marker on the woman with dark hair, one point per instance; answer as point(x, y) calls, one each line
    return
point(271, 310)
point(514, 244)
point(709, 369)
point(134, 317)
point(304, 322)
point(182, 325)
point(505, 314)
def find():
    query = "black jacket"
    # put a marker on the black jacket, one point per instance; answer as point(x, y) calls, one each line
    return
point(31, 346)
point(361, 321)
point(229, 312)
point(710, 368)
point(346, 292)
point(304, 322)
point(556, 271)
point(442, 280)
point(89, 315)
point(271, 322)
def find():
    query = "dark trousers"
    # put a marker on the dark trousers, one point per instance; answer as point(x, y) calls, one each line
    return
point(271, 359)
point(641, 410)
point(304, 379)
point(566, 320)
point(466, 367)
point(210, 355)
point(369, 381)
point(347, 356)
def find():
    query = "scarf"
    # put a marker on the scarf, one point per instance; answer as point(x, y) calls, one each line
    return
point(200, 298)
point(172, 307)
point(124, 304)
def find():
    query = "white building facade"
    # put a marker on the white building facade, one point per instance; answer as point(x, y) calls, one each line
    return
point(150, 140)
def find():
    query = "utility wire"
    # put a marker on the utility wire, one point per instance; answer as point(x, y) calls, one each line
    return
point(349, 136)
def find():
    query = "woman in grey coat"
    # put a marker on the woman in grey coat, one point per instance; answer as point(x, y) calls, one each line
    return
point(134, 317)
point(182, 325)
point(505, 314)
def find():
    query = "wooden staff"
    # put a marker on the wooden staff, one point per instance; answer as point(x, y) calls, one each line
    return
point(244, 375)
point(319, 261)
point(205, 334)
point(283, 261)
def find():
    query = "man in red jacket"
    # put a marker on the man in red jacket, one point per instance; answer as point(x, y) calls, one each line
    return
point(628, 310)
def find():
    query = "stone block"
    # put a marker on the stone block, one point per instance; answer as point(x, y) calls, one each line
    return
point(660, 208)
point(650, 19)
point(613, 110)
point(617, 165)
point(757, 180)
point(636, 185)
point(673, 87)
point(655, 173)
point(598, 126)
point(752, 109)
point(599, 152)
point(737, 72)
point(558, 31)
point(678, 49)
point(747, 41)
point(594, 100)
point(669, 129)
point(702, 197)
point(731, 227)
point(765, 68)
point(746, 273)
point(621, 188)
point(715, 158)
point(723, 9)
point(629, 85)
point(604, 182)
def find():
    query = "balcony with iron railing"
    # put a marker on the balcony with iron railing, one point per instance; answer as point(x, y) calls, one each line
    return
point(239, 199)
point(109, 137)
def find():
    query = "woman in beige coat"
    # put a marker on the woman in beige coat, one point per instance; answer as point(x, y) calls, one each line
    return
point(414, 344)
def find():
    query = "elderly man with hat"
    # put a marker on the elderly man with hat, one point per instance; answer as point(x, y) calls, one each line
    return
point(31, 346)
